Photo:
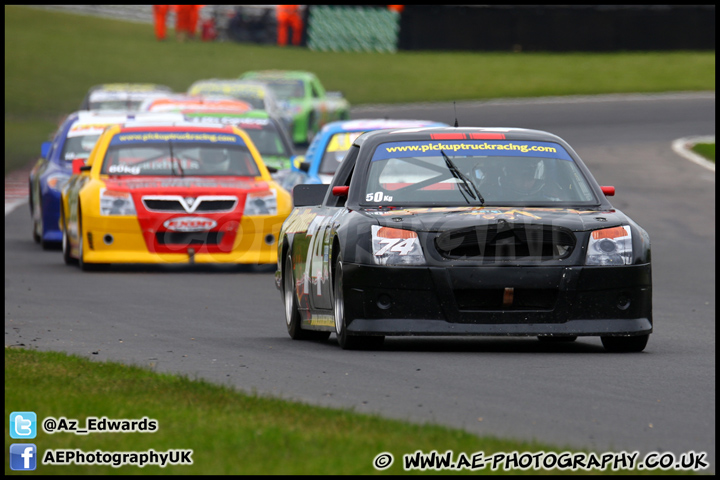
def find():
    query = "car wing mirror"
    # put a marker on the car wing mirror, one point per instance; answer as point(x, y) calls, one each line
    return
point(78, 165)
point(45, 149)
point(341, 191)
point(308, 195)
point(295, 162)
point(608, 191)
point(271, 169)
point(304, 167)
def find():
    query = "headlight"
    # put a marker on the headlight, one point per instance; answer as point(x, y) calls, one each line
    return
point(610, 246)
point(261, 203)
point(395, 246)
point(116, 203)
point(56, 182)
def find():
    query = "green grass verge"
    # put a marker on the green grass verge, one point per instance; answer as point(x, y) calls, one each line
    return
point(52, 58)
point(228, 432)
point(707, 150)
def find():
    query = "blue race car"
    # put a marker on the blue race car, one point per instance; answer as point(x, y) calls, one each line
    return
point(74, 140)
point(330, 145)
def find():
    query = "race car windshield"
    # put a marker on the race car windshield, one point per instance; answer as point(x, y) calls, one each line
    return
point(288, 89)
point(179, 159)
point(129, 105)
point(522, 178)
point(78, 147)
point(337, 147)
point(266, 139)
point(257, 102)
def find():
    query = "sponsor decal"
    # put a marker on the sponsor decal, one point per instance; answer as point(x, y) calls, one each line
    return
point(125, 138)
point(190, 224)
point(514, 148)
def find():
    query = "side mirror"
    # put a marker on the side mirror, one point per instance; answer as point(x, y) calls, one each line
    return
point(45, 149)
point(304, 167)
point(77, 165)
point(608, 191)
point(271, 169)
point(295, 161)
point(340, 191)
point(308, 195)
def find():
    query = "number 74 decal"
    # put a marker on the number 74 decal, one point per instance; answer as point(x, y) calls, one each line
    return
point(403, 246)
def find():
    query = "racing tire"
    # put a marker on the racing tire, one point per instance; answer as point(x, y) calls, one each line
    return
point(348, 342)
point(37, 238)
point(69, 260)
point(632, 344)
point(292, 315)
point(557, 339)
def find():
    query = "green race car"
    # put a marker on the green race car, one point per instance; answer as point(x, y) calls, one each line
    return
point(306, 106)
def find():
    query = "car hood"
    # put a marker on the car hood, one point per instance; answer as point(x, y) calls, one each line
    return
point(438, 219)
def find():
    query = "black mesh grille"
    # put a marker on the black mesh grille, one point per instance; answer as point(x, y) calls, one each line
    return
point(492, 299)
point(215, 206)
point(164, 205)
point(506, 241)
point(188, 238)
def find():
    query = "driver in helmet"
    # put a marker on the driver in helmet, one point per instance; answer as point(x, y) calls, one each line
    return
point(519, 177)
point(524, 179)
point(214, 160)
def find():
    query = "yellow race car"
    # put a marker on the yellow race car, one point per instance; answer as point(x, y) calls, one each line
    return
point(172, 193)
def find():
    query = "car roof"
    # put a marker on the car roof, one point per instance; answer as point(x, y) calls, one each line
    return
point(99, 117)
point(456, 133)
point(281, 74)
point(368, 124)
point(130, 87)
point(175, 126)
point(256, 113)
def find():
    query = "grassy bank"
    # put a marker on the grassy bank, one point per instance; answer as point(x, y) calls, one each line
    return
point(52, 58)
point(228, 432)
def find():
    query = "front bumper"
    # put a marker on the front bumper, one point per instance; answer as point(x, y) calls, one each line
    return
point(254, 243)
point(498, 300)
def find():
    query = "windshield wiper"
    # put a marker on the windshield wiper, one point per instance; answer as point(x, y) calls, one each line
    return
point(466, 182)
point(172, 162)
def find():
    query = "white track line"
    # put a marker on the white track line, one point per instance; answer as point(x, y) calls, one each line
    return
point(683, 146)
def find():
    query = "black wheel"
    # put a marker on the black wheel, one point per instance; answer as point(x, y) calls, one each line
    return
point(292, 315)
point(36, 237)
point(39, 232)
point(66, 241)
point(557, 338)
point(348, 342)
point(81, 247)
point(635, 343)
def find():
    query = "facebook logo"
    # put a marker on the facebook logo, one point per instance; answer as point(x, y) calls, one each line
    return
point(23, 456)
point(23, 425)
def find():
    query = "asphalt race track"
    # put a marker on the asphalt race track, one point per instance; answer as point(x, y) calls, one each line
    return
point(227, 326)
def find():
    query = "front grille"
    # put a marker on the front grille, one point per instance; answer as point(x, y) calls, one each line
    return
point(216, 206)
point(176, 203)
point(494, 299)
point(188, 238)
point(505, 241)
point(164, 205)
